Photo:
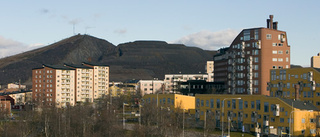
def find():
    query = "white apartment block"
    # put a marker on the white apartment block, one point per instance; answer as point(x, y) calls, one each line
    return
point(171, 80)
point(84, 82)
point(150, 86)
point(100, 79)
point(209, 70)
point(65, 88)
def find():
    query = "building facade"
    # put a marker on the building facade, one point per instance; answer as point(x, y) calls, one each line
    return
point(173, 101)
point(259, 114)
point(61, 86)
point(53, 85)
point(171, 80)
point(283, 83)
point(315, 61)
point(100, 79)
point(244, 66)
point(210, 69)
point(150, 86)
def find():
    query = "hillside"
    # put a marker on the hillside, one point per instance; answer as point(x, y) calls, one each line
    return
point(132, 60)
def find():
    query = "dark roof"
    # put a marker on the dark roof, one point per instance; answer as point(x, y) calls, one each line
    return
point(95, 64)
point(317, 69)
point(300, 104)
point(77, 66)
point(58, 67)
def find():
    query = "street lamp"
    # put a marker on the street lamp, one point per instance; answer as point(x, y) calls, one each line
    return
point(223, 113)
point(123, 119)
point(291, 118)
point(183, 123)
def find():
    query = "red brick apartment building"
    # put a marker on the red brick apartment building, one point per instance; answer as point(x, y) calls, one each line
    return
point(245, 65)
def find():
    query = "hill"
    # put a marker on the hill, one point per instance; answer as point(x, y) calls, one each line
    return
point(132, 60)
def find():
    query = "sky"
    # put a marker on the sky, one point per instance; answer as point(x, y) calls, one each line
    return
point(206, 24)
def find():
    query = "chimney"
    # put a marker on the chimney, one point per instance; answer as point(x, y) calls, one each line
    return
point(271, 22)
point(297, 87)
point(268, 23)
point(275, 25)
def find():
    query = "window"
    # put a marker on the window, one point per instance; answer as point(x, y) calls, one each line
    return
point(268, 36)
point(312, 131)
point(281, 120)
point(280, 52)
point(256, 59)
point(245, 104)
point(258, 104)
point(280, 59)
point(266, 106)
point(197, 102)
point(274, 52)
point(229, 104)
point(274, 44)
point(207, 103)
point(246, 35)
point(211, 103)
point(274, 59)
point(274, 67)
point(303, 120)
point(233, 104)
point(287, 51)
point(240, 104)
point(252, 104)
point(272, 119)
point(312, 120)
point(256, 74)
point(280, 44)
point(202, 103)
point(218, 103)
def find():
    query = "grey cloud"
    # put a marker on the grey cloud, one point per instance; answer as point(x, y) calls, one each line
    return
point(75, 21)
point(44, 11)
point(10, 47)
point(209, 40)
point(120, 31)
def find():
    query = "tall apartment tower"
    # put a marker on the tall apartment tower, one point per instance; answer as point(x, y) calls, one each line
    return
point(100, 79)
point(245, 65)
point(53, 85)
point(209, 70)
point(315, 61)
point(83, 82)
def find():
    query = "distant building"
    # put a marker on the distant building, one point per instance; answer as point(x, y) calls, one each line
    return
point(16, 86)
point(259, 114)
point(119, 88)
point(171, 80)
point(244, 66)
point(283, 83)
point(150, 86)
point(315, 61)
point(210, 70)
point(192, 87)
point(5, 104)
point(171, 101)
point(61, 86)
point(53, 85)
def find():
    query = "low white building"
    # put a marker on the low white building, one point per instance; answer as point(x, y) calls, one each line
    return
point(150, 86)
point(171, 80)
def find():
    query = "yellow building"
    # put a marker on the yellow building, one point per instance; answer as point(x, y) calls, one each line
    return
point(282, 84)
point(171, 100)
point(258, 113)
point(315, 61)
